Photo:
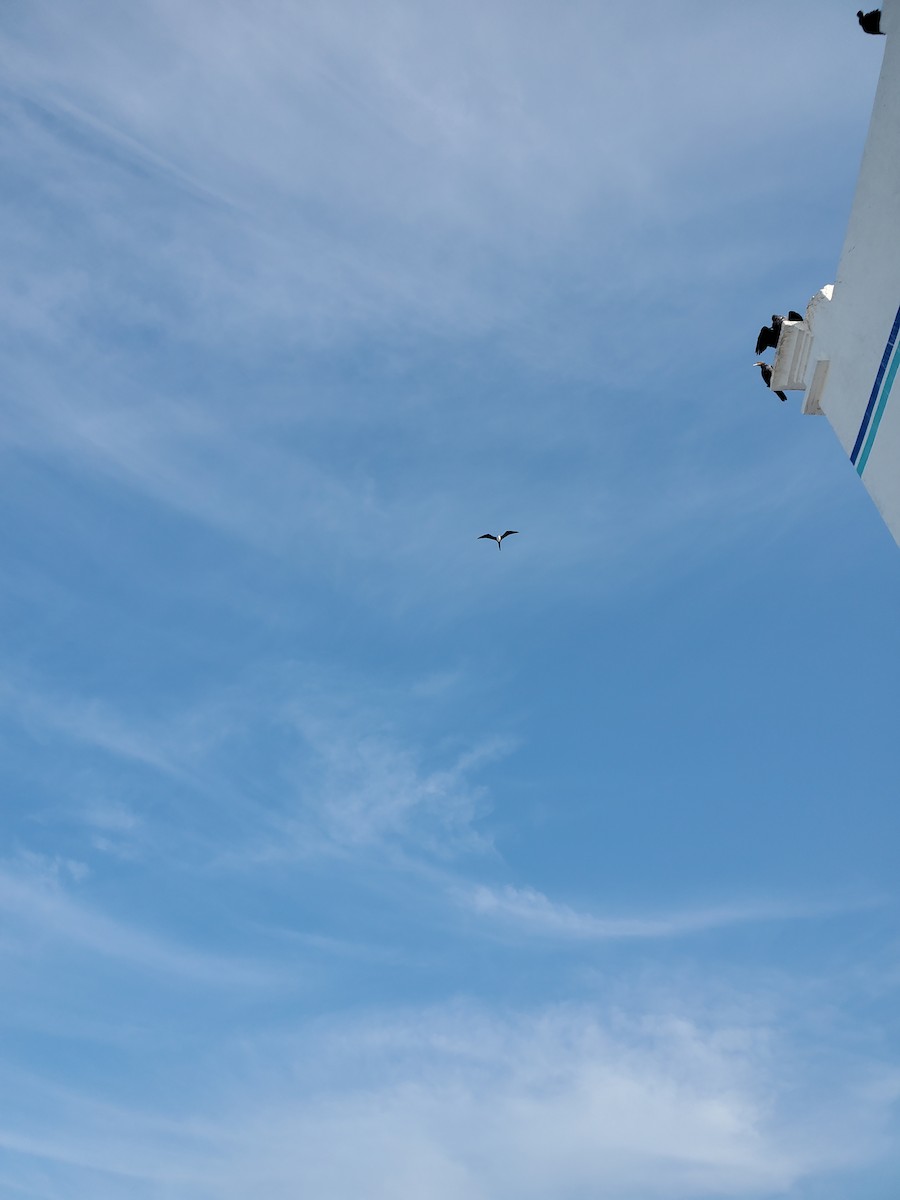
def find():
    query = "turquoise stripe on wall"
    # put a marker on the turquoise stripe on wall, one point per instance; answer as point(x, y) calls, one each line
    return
point(876, 389)
point(879, 413)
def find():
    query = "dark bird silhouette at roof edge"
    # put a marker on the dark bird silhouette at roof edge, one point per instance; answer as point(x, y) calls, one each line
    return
point(870, 22)
point(766, 371)
point(769, 334)
point(495, 538)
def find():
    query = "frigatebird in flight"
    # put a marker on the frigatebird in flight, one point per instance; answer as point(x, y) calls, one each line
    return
point(495, 537)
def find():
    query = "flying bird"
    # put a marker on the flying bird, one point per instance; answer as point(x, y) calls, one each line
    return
point(769, 334)
point(766, 371)
point(870, 22)
point(498, 538)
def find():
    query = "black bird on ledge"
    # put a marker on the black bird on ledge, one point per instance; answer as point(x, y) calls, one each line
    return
point(870, 22)
point(766, 371)
point(769, 334)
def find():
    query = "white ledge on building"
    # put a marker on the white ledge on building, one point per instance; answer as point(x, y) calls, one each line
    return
point(791, 369)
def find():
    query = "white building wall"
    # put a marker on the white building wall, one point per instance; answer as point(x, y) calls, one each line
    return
point(846, 354)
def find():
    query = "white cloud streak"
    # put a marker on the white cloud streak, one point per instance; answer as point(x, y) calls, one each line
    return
point(368, 790)
point(36, 903)
point(530, 912)
point(345, 781)
point(459, 1103)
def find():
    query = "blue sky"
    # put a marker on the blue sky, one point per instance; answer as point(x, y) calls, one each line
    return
point(343, 856)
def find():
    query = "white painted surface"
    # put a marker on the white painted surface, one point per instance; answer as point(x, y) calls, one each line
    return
point(835, 354)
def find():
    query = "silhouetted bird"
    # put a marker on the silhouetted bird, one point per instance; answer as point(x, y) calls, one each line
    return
point(769, 334)
point(495, 538)
point(766, 371)
point(870, 22)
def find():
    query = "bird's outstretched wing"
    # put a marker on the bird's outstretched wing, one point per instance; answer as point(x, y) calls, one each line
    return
point(492, 536)
point(870, 21)
point(508, 532)
point(764, 340)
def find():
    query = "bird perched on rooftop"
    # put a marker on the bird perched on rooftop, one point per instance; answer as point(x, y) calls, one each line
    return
point(769, 334)
point(766, 371)
point(495, 537)
point(870, 22)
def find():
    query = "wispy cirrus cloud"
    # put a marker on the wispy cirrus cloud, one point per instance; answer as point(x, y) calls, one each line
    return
point(531, 913)
point(368, 789)
point(346, 784)
point(461, 1101)
point(343, 779)
point(37, 899)
point(89, 723)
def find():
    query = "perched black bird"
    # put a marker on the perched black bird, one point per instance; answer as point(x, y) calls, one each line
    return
point(766, 371)
point(495, 538)
point(769, 334)
point(870, 22)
